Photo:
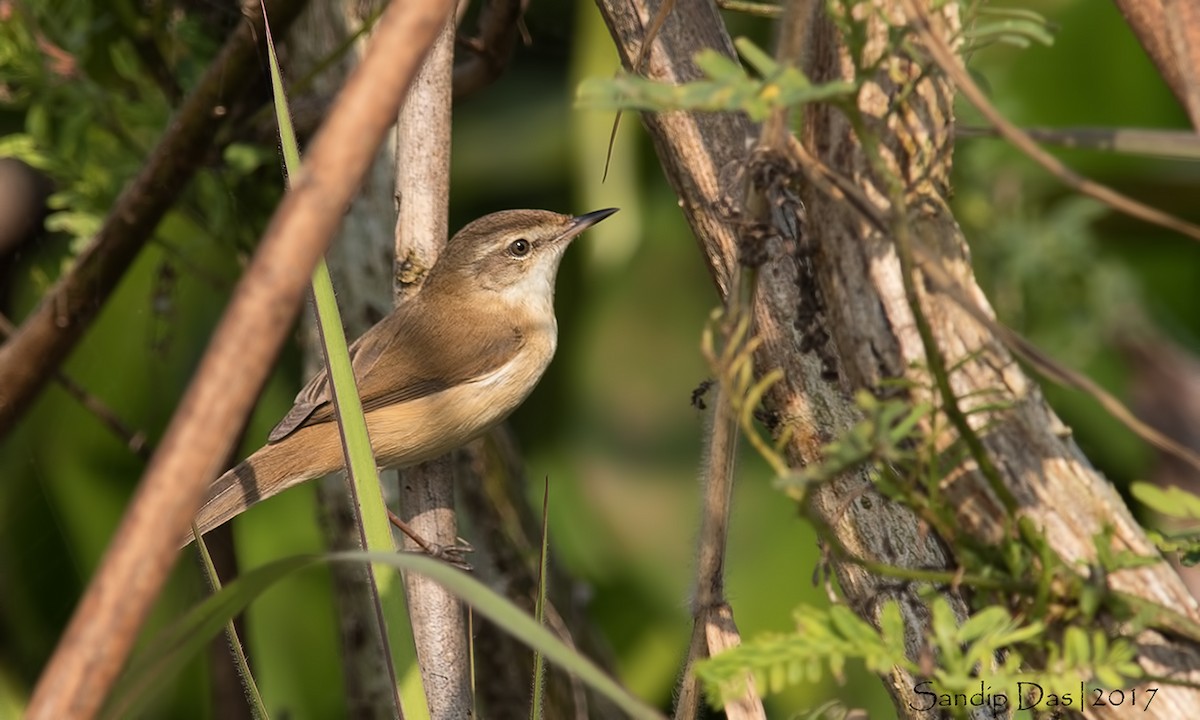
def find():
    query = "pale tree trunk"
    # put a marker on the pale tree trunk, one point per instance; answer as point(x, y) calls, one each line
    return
point(422, 186)
point(833, 314)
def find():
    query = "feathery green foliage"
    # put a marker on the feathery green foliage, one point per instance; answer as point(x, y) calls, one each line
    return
point(727, 87)
point(885, 435)
point(89, 155)
point(991, 641)
point(1018, 27)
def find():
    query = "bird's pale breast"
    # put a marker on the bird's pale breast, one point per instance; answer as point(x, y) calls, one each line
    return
point(422, 429)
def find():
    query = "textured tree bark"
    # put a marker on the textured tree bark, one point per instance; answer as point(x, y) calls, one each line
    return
point(834, 316)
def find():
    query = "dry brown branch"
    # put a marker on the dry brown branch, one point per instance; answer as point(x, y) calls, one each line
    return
point(51, 331)
point(713, 628)
point(950, 64)
point(101, 632)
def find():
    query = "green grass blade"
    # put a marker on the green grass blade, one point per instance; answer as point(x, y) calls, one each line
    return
point(253, 697)
point(176, 645)
point(361, 471)
point(187, 637)
point(536, 710)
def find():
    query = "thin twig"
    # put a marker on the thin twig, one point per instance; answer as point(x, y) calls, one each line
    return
point(491, 51)
point(107, 619)
point(135, 440)
point(713, 628)
point(949, 64)
point(757, 9)
point(652, 31)
point(1168, 144)
point(712, 535)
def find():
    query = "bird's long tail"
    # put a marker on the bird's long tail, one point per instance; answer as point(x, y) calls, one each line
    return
point(268, 472)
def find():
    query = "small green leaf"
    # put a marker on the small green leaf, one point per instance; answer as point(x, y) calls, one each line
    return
point(719, 66)
point(22, 146)
point(1077, 649)
point(852, 627)
point(78, 224)
point(891, 625)
point(726, 87)
point(1171, 501)
point(243, 158)
point(37, 124)
point(756, 57)
point(1020, 33)
point(125, 62)
point(988, 621)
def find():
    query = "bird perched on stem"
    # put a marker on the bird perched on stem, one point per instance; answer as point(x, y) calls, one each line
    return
point(442, 369)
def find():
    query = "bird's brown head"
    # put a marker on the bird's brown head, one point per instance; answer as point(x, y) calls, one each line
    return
point(515, 253)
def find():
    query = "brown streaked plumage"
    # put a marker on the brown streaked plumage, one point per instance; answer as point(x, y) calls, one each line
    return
point(442, 369)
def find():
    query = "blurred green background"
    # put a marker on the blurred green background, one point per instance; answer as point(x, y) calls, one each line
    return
point(611, 425)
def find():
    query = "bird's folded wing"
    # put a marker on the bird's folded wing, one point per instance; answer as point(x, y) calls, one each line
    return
point(404, 357)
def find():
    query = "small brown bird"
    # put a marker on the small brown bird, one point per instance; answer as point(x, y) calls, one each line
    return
point(445, 367)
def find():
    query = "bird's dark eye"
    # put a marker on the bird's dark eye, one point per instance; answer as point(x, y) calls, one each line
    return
point(519, 247)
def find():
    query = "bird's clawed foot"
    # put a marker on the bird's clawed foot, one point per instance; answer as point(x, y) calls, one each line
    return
point(454, 554)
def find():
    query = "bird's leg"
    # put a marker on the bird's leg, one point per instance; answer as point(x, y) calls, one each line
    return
point(452, 554)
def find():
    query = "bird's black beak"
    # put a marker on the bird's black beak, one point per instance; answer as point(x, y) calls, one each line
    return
point(579, 223)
